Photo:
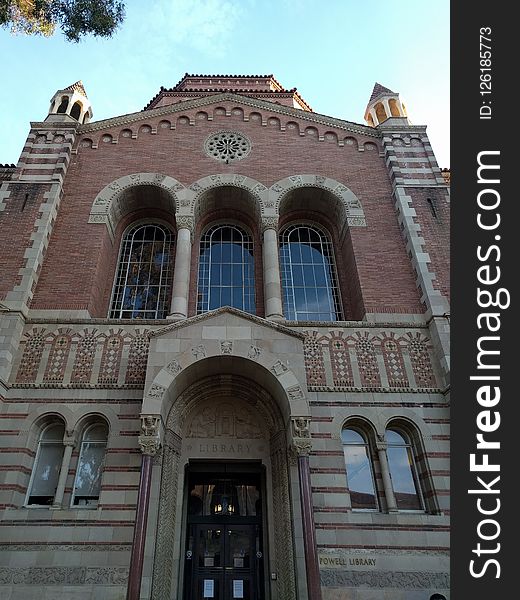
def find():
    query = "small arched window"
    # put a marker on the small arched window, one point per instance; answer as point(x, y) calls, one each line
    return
point(360, 476)
point(75, 111)
point(87, 483)
point(380, 113)
point(226, 270)
point(47, 466)
point(62, 108)
point(144, 276)
point(309, 280)
point(401, 462)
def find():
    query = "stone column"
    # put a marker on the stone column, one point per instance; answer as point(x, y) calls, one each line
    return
point(302, 446)
point(386, 104)
point(149, 442)
point(391, 502)
point(272, 285)
point(69, 443)
point(182, 269)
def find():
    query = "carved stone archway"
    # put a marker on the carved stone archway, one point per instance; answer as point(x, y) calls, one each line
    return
point(250, 413)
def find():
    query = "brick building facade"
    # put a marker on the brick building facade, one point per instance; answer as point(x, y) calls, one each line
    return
point(224, 351)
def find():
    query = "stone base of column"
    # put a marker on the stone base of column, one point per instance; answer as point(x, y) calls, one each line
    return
point(176, 317)
point(275, 318)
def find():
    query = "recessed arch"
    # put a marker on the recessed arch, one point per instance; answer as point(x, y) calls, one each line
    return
point(184, 370)
point(335, 199)
point(132, 192)
point(250, 194)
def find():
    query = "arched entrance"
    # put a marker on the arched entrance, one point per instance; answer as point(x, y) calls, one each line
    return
point(225, 405)
point(225, 475)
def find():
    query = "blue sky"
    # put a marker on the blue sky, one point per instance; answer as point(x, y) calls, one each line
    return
point(333, 51)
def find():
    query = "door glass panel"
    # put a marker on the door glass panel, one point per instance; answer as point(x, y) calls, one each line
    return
point(209, 547)
point(239, 541)
point(224, 497)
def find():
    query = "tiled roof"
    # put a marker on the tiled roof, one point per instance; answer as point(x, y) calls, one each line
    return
point(378, 90)
point(206, 85)
point(76, 87)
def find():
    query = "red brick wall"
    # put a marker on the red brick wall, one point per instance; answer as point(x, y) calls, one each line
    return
point(80, 257)
point(17, 223)
point(435, 229)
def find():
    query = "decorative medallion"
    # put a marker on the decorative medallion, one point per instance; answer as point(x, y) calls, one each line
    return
point(227, 146)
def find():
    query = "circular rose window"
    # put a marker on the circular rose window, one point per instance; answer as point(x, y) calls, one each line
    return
point(227, 146)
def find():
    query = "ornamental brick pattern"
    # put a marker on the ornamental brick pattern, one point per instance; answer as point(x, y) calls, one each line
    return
point(32, 356)
point(394, 362)
point(313, 354)
point(367, 361)
point(137, 358)
point(85, 353)
point(421, 362)
point(60, 349)
point(111, 358)
point(340, 360)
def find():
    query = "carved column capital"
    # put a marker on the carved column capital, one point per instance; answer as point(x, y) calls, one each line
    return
point(269, 223)
point(185, 222)
point(150, 438)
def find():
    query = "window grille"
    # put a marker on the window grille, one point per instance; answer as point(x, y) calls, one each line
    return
point(309, 280)
point(226, 270)
point(144, 276)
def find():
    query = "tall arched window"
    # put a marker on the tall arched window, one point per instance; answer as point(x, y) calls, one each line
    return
point(144, 275)
point(226, 269)
point(360, 476)
point(87, 483)
point(47, 465)
point(401, 463)
point(310, 286)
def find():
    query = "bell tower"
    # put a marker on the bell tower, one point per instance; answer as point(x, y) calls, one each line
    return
point(70, 104)
point(383, 105)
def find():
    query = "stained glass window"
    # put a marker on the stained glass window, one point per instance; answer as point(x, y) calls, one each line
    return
point(226, 269)
point(309, 281)
point(144, 277)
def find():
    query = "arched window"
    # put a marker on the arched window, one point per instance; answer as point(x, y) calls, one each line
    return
point(380, 113)
point(144, 276)
point(394, 109)
point(87, 483)
point(226, 270)
point(401, 463)
point(47, 466)
point(360, 476)
point(62, 108)
point(75, 111)
point(309, 281)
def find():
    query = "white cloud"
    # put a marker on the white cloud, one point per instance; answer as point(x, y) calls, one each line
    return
point(203, 25)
